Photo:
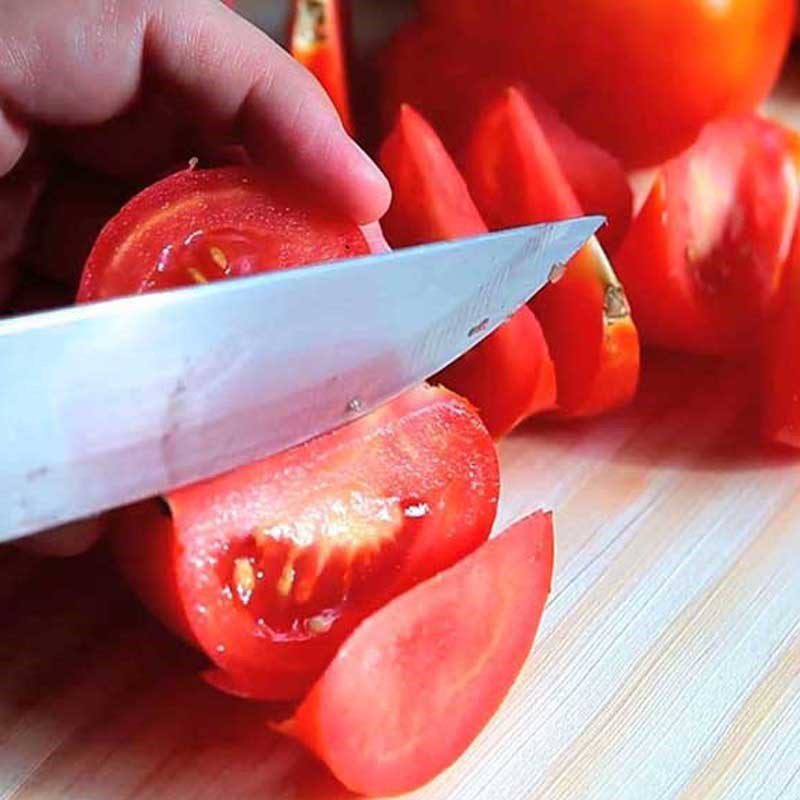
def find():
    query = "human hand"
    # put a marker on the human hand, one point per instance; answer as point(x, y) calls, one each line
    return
point(100, 95)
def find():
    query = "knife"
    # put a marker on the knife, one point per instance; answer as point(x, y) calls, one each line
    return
point(108, 403)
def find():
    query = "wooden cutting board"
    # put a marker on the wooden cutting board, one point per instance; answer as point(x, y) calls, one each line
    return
point(667, 664)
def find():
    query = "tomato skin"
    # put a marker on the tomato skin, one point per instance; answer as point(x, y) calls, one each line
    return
point(418, 69)
point(509, 376)
point(703, 262)
point(333, 529)
point(516, 180)
point(780, 391)
point(317, 39)
point(270, 224)
point(417, 681)
point(781, 385)
point(640, 79)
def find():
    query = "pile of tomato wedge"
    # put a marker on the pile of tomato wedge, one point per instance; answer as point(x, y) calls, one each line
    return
point(353, 576)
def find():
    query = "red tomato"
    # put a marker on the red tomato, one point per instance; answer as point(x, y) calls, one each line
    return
point(509, 376)
point(317, 39)
point(417, 681)
point(201, 225)
point(269, 567)
point(516, 180)
point(420, 70)
point(781, 389)
point(781, 384)
point(704, 260)
point(639, 78)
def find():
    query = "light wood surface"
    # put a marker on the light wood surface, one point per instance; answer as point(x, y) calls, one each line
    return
point(667, 665)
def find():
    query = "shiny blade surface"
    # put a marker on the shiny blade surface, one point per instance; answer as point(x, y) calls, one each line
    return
point(105, 404)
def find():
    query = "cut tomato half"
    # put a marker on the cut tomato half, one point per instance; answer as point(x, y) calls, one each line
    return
point(509, 376)
point(318, 40)
point(704, 260)
point(418, 680)
point(200, 225)
point(269, 567)
point(419, 69)
point(515, 180)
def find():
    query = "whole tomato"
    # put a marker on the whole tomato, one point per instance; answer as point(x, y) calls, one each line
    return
point(639, 78)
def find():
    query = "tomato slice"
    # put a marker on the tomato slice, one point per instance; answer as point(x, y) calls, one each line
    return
point(515, 179)
point(418, 680)
point(509, 376)
point(269, 567)
point(704, 260)
point(317, 39)
point(200, 225)
point(420, 69)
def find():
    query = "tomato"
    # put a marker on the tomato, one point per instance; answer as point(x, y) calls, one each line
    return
point(269, 567)
point(418, 680)
point(515, 179)
point(704, 260)
point(509, 376)
point(200, 225)
point(781, 388)
point(450, 90)
point(317, 40)
point(639, 78)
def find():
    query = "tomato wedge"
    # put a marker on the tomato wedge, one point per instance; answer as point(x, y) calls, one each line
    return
point(515, 179)
point(317, 39)
point(419, 69)
point(269, 567)
point(509, 376)
point(703, 263)
point(417, 681)
point(200, 225)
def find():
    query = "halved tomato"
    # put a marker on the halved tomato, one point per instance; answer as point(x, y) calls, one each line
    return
point(318, 40)
point(417, 681)
point(704, 260)
point(515, 179)
point(268, 568)
point(450, 89)
point(200, 225)
point(509, 376)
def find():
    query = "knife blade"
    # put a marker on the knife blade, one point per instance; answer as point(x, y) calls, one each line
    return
point(109, 403)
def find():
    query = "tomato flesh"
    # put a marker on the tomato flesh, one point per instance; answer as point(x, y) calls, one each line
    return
point(269, 567)
point(418, 680)
point(515, 180)
point(450, 90)
point(703, 263)
point(509, 376)
point(204, 224)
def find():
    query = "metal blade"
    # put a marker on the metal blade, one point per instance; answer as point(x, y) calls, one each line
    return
point(109, 403)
